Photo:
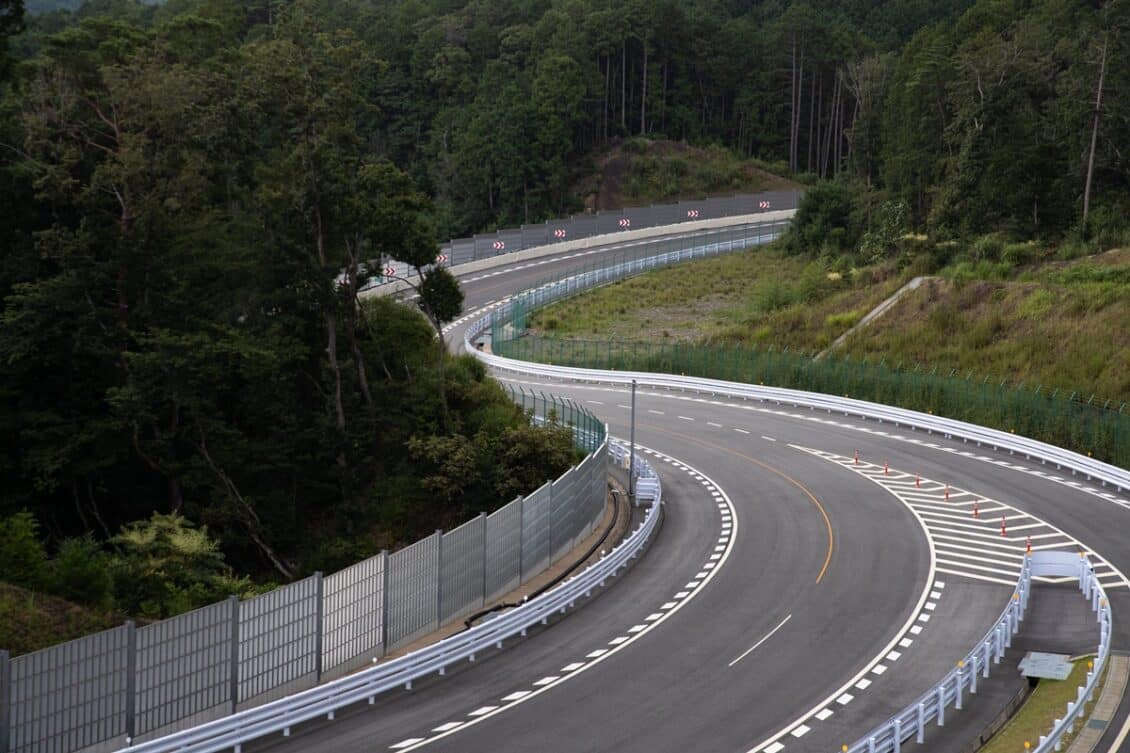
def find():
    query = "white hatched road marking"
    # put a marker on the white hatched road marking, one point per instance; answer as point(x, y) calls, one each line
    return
point(968, 546)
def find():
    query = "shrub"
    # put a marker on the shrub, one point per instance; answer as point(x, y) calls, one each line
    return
point(23, 559)
point(80, 572)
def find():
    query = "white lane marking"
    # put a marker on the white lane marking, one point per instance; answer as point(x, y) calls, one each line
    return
point(775, 748)
point(546, 680)
point(686, 418)
point(801, 731)
point(878, 669)
point(618, 640)
point(770, 439)
point(596, 654)
point(711, 423)
point(625, 407)
point(571, 667)
point(656, 412)
point(916, 629)
point(516, 695)
point(905, 642)
point(741, 431)
point(594, 402)
point(769, 635)
point(822, 715)
point(894, 656)
point(863, 684)
point(406, 743)
point(448, 726)
point(482, 711)
point(845, 699)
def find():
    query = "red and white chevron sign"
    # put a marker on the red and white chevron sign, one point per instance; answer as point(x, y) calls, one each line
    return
point(441, 259)
point(626, 222)
point(559, 232)
point(390, 271)
point(498, 245)
point(763, 205)
point(692, 213)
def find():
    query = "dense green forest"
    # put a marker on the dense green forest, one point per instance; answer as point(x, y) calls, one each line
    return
point(190, 190)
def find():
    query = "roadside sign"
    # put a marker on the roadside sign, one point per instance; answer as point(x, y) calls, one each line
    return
point(498, 245)
point(625, 223)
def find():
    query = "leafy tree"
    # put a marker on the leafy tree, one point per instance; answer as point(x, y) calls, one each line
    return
point(165, 565)
point(824, 218)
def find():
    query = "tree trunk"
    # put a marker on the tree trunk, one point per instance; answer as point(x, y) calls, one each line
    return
point(643, 93)
point(607, 92)
point(792, 105)
point(624, 86)
point(811, 118)
point(1094, 136)
point(819, 128)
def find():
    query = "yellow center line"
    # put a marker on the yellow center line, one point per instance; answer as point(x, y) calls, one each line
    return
point(771, 469)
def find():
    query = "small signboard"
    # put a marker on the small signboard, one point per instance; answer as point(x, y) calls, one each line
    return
point(1045, 666)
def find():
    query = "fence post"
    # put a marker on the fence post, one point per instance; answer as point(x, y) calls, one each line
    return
point(131, 682)
point(439, 576)
point(483, 600)
point(521, 536)
point(5, 698)
point(234, 601)
point(384, 602)
point(320, 611)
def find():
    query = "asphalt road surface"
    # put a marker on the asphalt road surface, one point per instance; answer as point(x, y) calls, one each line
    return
point(792, 600)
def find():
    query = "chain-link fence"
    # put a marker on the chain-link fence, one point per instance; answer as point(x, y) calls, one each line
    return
point(101, 692)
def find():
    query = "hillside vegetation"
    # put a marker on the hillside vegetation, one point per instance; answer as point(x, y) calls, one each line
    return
point(641, 171)
point(190, 190)
point(1062, 325)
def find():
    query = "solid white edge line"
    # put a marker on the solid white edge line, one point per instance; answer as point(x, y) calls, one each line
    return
point(617, 649)
point(898, 634)
point(767, 637)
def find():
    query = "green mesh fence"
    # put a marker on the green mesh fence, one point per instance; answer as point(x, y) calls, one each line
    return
point(1097, 428)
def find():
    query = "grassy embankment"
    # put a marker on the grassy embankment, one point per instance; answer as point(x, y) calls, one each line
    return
point(1039, 351)
point(1037, 716)
point(1062, 325)
point(30, 621)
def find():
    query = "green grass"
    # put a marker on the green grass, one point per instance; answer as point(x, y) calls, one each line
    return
point(1061, 327)
point(757, 297)
point(1036, 717)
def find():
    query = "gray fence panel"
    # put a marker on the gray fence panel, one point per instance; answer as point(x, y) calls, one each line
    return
point(462, 250)
point(71, 696)
point(184, 670)
point(564, 508)
point(608, 222)
point(559, 231)
point(278, 641)
point(352, 616)
point(511, 239)
point(584, 226)
point(535, 235)
point(536, 521)
point(413, 582)
point(503, 565)
point(461, 570)
point(484, 246)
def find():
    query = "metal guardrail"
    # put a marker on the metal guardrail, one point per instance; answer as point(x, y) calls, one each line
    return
point(932, 705)
point(912, 721)
point(1092, 589)
point(280, 716)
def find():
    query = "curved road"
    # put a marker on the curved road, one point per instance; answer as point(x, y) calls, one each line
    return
point(794, 598)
